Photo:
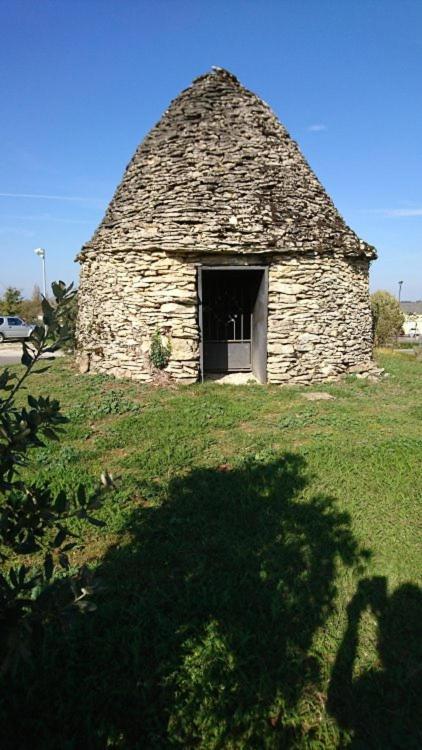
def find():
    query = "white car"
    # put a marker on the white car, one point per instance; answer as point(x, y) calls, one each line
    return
point(12, 327)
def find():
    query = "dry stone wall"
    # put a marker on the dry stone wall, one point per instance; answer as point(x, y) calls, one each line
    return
point(123, 299)
point(319, 321)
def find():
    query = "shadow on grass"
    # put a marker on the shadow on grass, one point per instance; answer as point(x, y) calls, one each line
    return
point(204, 635)
point(382, 706)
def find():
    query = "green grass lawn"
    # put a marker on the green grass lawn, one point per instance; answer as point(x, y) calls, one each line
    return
point(261, 564)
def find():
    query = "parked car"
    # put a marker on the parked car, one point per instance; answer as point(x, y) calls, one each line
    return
point(12, 327)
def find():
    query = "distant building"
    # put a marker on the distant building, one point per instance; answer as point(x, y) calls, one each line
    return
point(222, 238)
point(412, 325)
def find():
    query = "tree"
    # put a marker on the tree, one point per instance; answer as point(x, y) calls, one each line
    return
point(67, 316)
point(30, 309)
point(11, 302)
point(34, 519)
point(387, 317)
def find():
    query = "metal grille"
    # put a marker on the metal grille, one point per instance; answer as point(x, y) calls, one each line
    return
point(227, 310)
point(227, 319)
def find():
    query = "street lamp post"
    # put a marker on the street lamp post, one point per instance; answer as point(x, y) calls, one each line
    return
point(41, 254)
point(400, 286)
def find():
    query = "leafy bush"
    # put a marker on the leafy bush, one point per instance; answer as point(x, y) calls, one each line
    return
point(159, 352)
point(30, 308)
point(34, 521)
point(387, 317)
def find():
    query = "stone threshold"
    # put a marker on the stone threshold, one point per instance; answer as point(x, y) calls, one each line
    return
point(231, 378)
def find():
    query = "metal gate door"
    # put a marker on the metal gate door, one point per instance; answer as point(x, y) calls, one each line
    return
point(228, 299)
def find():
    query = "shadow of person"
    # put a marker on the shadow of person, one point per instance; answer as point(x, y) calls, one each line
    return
point(203, 636)
point(382, 707)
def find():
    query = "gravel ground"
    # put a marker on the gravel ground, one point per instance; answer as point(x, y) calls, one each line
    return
point(10, 354)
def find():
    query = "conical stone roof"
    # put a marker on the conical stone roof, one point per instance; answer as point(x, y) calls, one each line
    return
point(219, 173)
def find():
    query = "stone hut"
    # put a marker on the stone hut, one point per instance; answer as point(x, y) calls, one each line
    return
point(221, 238)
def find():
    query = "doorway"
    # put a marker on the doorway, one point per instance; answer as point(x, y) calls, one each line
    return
point(233, 320)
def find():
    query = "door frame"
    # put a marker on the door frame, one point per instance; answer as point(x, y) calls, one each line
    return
point(264, 301)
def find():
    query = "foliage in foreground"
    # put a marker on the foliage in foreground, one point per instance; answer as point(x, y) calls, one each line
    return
point(34, 520)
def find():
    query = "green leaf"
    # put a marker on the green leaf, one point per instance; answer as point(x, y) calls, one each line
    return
point(68, 547)
point(34, 418)
point(48, 313)
point(26, 358)
point(60, 537)
point(48, 432)
point(95, 521)
point(38, 334)
point(22, 573)
point(58, 289)
point(64, 561)
point(48, 566)
point(5, 377)
point(81, 495)
point(54, 347)
point(61, 502)
point(14, 578)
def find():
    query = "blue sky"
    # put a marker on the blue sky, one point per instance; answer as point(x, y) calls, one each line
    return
point(82, 82)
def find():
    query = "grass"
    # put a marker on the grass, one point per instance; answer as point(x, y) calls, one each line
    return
point(260, 563)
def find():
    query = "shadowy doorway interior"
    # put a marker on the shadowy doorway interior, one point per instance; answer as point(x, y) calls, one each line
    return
point(233, 320)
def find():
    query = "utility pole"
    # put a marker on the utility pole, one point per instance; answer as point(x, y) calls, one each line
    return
point(400, 286)
point(41, 254)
